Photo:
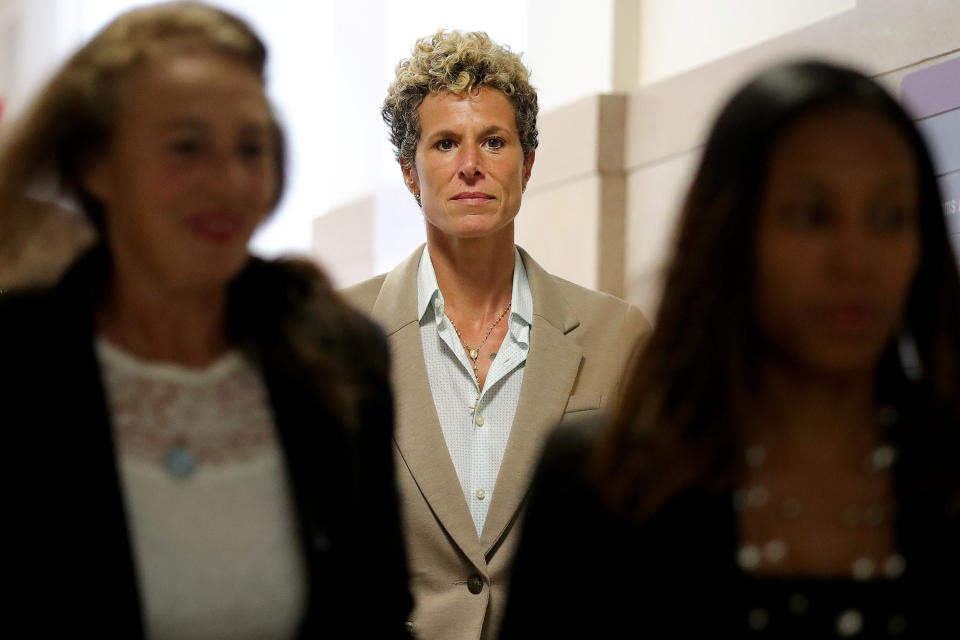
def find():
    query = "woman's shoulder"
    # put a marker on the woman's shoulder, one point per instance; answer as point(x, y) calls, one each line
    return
point(53, 311)
point(364, 294)
point(568, 473)
point(563, 472)
point(571, 443)
point(298, 287)
point(73, 290)
point(25, 319)
point(290, 304)
point(18, 305)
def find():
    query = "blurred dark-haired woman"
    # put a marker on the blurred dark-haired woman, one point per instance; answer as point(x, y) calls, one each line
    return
point(785, 461)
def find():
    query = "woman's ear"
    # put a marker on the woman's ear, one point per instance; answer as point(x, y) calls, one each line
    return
point(528, 166)
point(410, 177)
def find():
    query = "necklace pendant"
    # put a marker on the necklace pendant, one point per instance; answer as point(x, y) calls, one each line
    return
point(180, 462)
point(473, 354)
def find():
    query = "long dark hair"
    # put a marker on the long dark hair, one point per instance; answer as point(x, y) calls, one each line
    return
point(676, 427)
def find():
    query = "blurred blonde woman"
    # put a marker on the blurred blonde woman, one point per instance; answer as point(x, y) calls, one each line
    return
point(202, 438)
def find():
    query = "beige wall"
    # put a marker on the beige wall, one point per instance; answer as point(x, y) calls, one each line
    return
point(368, 236)
point(574, 209)
point(8, 23)
point(680, 35)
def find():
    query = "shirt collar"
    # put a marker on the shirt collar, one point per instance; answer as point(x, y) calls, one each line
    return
point(428, 291)
point(427, 287)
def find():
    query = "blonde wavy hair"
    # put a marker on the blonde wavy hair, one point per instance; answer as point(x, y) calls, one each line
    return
point(457, 62)
point(74, 116)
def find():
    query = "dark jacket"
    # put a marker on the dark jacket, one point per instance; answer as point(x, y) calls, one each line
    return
point(582, 572)
point(71, 568)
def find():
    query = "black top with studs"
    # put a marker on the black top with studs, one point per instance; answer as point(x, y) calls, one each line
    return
point(581, 572)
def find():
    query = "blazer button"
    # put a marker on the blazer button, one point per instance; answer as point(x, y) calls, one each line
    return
point(475, 584)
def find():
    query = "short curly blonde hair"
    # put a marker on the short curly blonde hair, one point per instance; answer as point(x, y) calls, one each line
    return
point(457, 62)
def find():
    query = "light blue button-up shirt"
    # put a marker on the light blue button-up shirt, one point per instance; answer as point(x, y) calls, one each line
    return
point(476, 438)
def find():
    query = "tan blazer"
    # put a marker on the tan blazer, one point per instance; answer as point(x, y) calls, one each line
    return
point(580, 342)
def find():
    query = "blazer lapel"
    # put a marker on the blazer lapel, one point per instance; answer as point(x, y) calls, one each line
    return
point(418, 435)
point(550, 372)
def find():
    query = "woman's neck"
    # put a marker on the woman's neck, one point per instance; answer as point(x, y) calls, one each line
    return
point(814, 414)
point(475, 274)
point(183, 327)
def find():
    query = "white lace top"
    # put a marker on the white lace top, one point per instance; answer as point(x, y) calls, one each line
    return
point(208, 502)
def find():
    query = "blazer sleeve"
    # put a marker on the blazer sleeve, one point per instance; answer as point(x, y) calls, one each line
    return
point(634, 333)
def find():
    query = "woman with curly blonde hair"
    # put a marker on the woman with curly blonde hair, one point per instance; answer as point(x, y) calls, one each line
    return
point(202, 437)
point(490, 350)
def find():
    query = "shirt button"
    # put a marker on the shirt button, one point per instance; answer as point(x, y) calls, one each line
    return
point(478, 420)
point(437, 303)
point(481, 494)
point(475, 584)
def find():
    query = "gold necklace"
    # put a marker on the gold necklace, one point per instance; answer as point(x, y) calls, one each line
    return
point(474, 353)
